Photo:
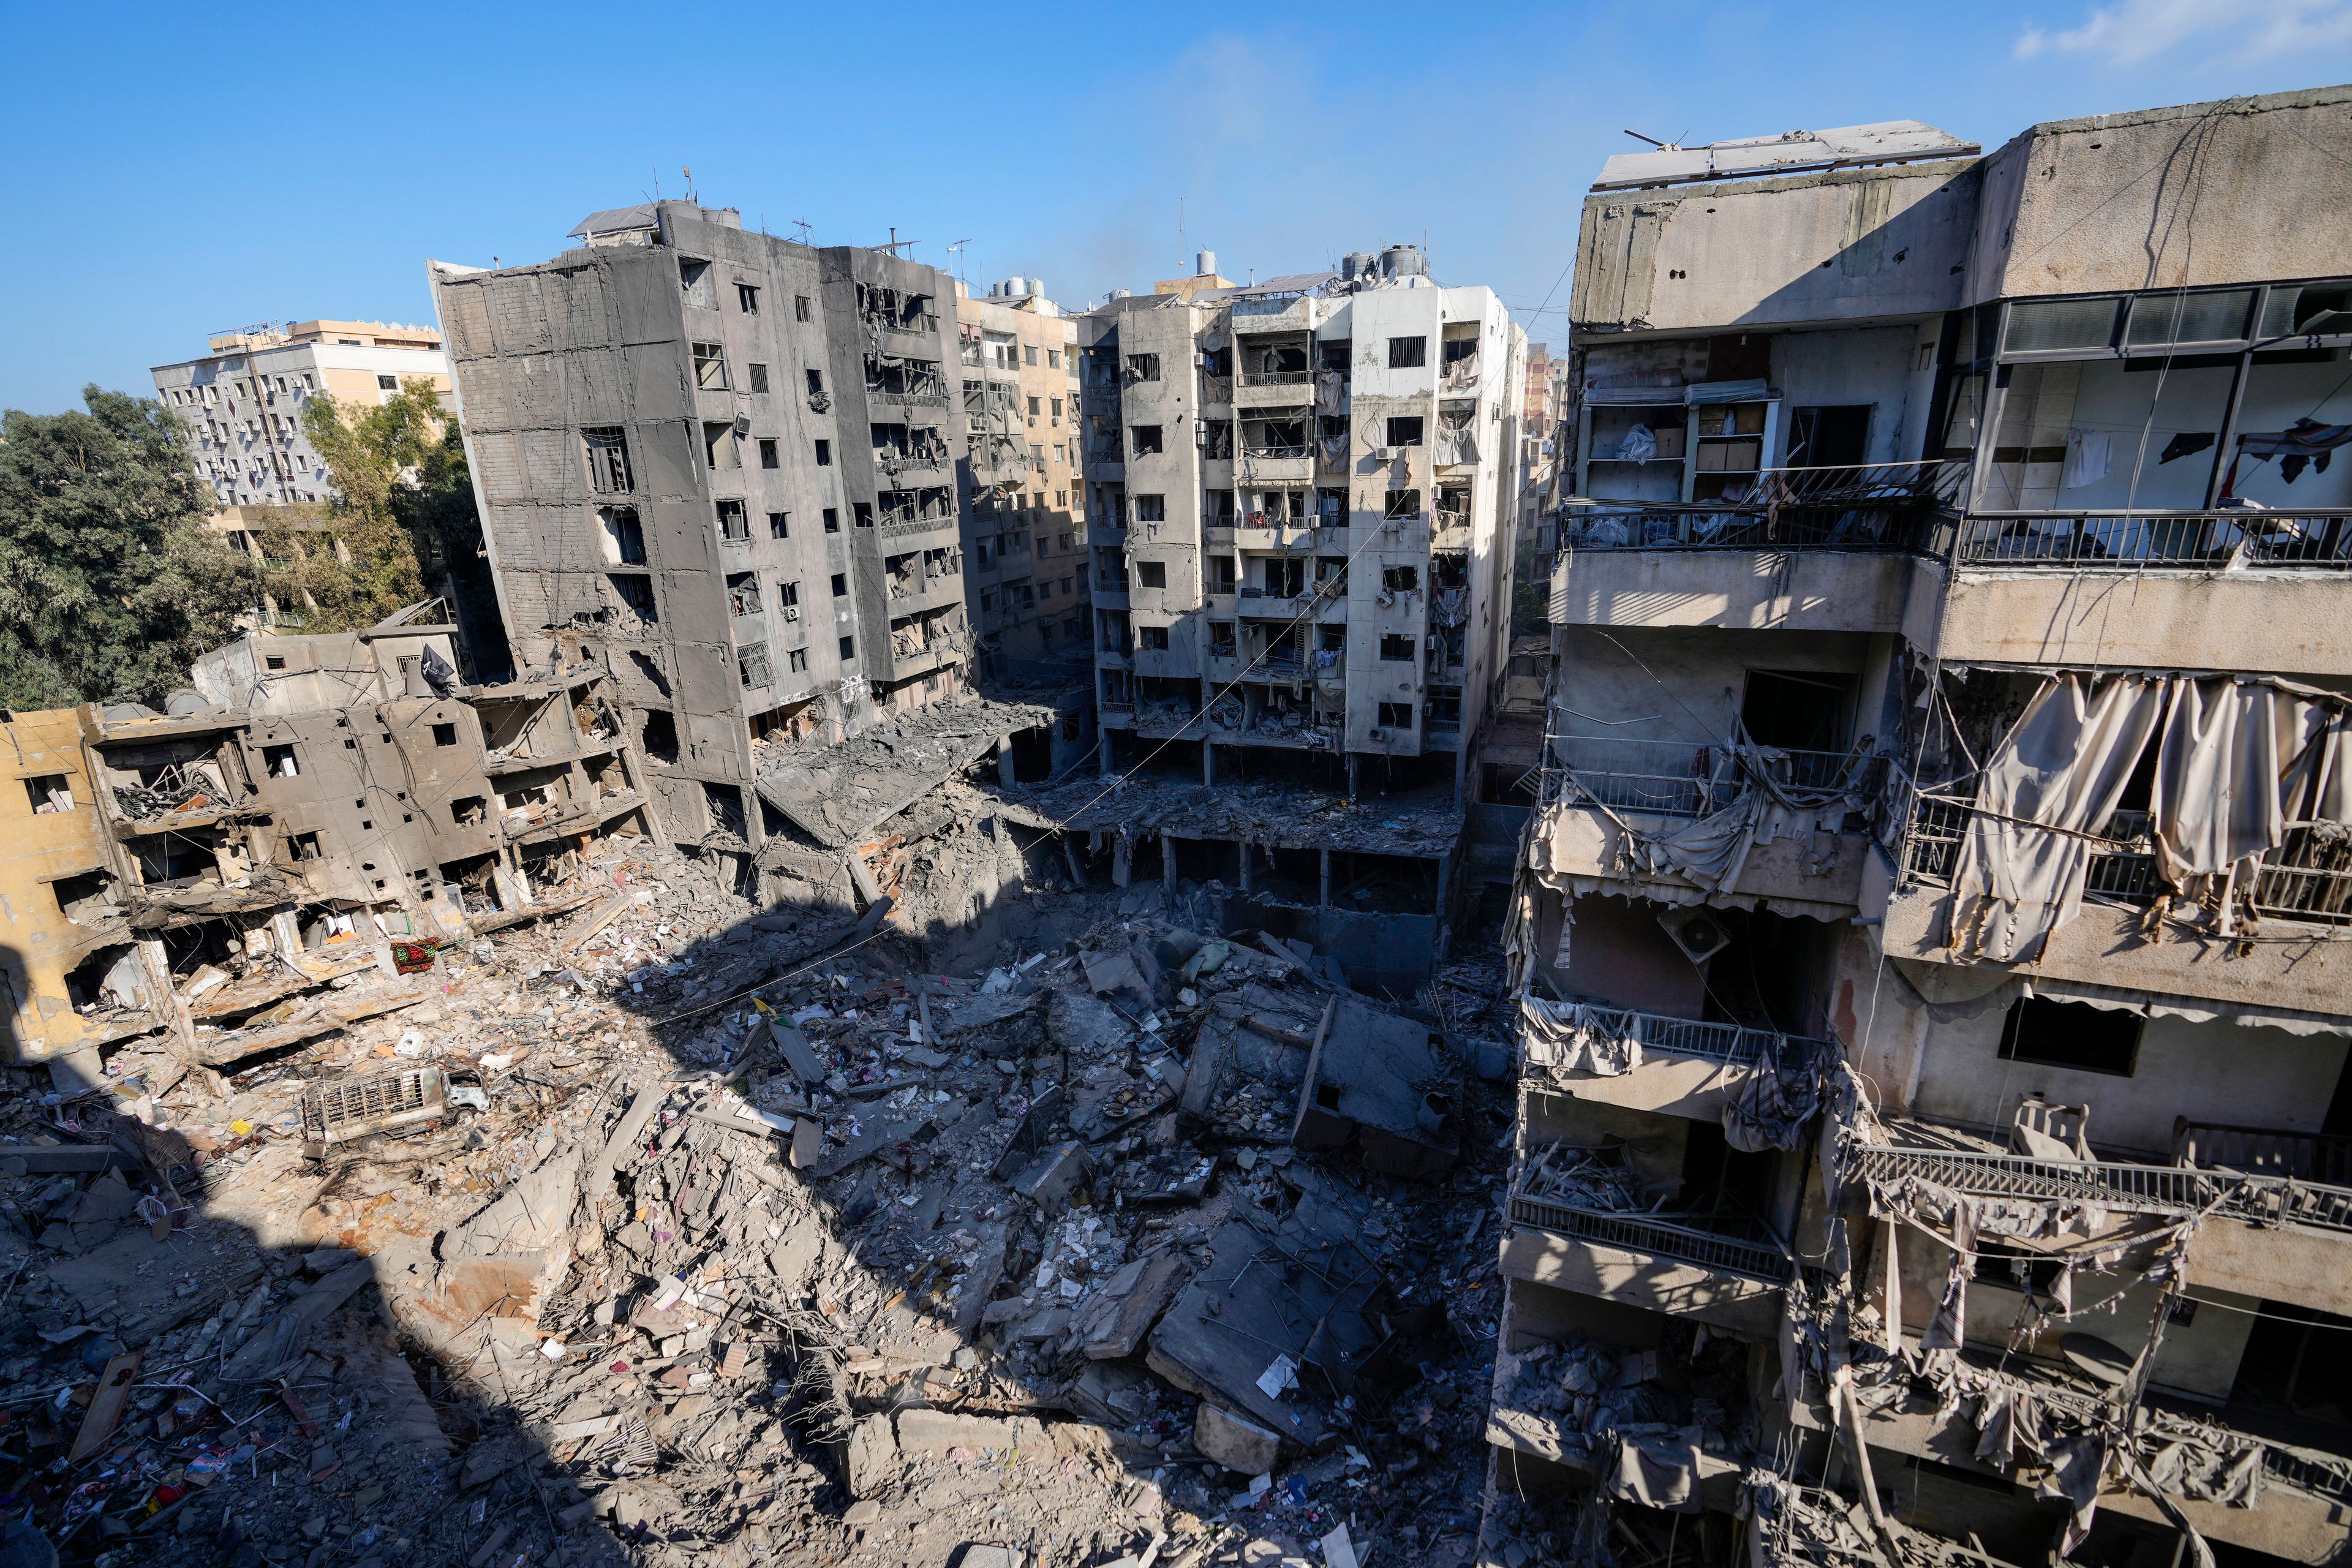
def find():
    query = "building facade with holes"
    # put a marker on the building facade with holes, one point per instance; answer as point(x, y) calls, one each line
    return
point(723, 466)
point(1933, 918)
point(1301, 493)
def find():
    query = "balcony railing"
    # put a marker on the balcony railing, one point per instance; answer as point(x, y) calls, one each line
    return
point(1302, 376)
point(1905, 507)
point(2148, 1189)
point(2317, 537)
point(1751, 1255)
point(2307, 878)
point(1730, 1044)
point(2321, 1157)
point(1684, 778)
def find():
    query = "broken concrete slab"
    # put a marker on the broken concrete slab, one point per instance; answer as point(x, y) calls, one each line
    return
point(1125, 1308)
point(282, 1339)
point(1386, 1083)
point(939, 1431)
point(871, 1460)
point(1050, 1179)
point(796, 1051)
point(1236, 1441)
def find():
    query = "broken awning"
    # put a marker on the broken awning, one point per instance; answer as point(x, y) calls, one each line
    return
point(1950, 999)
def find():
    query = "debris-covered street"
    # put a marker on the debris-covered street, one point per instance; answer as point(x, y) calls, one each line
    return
point(780, 1236)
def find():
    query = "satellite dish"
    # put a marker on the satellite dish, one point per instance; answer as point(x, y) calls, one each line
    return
point(1700, 935)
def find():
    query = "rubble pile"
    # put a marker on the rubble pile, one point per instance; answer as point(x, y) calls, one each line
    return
point(781, 1234)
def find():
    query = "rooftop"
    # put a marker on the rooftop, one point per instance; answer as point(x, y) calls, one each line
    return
point(1845, 147)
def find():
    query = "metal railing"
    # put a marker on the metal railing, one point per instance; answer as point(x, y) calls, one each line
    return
point(1733, 1044)
point(1302, 376)
point(1301, 450)
point(1762, 1260)
point(2320, 537)
point(1904, 507)
point(2305, 1156)
point(2308, 877)
point(2150, 1189)
point(1685, 778)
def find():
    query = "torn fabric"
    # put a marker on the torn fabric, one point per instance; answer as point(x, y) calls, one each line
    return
point(2053, 782)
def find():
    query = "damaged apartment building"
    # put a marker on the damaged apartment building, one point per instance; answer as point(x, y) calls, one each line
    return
point(722, 467)
point(257, 865)
point(1934, 929)
point(1301, 492)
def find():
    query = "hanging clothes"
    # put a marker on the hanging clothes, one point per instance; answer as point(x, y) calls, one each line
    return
point(2086, 458)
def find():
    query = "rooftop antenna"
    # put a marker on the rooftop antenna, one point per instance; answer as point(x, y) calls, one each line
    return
point(657, 182)
point(806, 231)
point(1660, 146)
point(689, 172)
point(1179, 235)
point(956, 250)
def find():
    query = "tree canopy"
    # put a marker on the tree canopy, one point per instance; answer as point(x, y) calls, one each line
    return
point(110, 582)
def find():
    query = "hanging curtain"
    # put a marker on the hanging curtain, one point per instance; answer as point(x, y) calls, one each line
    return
point(2063, 766)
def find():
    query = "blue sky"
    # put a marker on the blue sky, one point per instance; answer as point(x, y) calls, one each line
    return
point(172, 175)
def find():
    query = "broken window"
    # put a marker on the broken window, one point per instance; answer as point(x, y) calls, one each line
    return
point(1400, 579)
point(1798, 711)
point(1216, 437)
point(637, 592)
point(2050, 1033)
point(302, 846)
point(747, 298)
point(1142, 367)
point(718, 446)
point(1335, 354)
point(734, 522)
point(50, 793)
point(1281, 577)
point(1403, 506)
point(694, 277)
point(832, 519)
point(711, 367)
point(1152, 639)
point(788, 598)
point(1452, 506)
point(824, 453)
point(1330, 508)
point(1273, 437)
point(841, 584)
point(800, 310)
point(742, 593)
point(1221, 574)
point(1147, 439)
point(1150, 508)
point(1217, 509)
point(1152, 573)
point(1223, 643)
point(1405, 430)
point(1331, 639)
point(779, 525)
point(661, 735)
point(798, 659)
point(470, 810)
point(1836, 437)
point(608, 447)
point(848, 649)
point(1396, 715)
point(751, 664)
point(279, 762)
point(622, 538)
point(445, 734)
point(1396, 648)
point(768, 457)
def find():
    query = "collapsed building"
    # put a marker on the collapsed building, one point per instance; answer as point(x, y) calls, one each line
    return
point(1301, 497)
point(1930, 934)
point(257, 865)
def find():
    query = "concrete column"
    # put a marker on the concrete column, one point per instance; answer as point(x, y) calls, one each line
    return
point(1004, 760)
point(1102, 751)
point(1246, 846)
point(1325, 896)
point(1351, 775)
point(1208, 764)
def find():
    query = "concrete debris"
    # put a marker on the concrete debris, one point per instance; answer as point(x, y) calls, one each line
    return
point(759, 1244)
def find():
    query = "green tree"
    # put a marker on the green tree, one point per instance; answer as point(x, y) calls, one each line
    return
point(110, 583)
point(365, 566)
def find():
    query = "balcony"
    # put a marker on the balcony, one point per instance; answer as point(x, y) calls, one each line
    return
point(2275, 1235)
point(1656, 815)
point(1578, 1225)
point(2320, 540)
point(2305, 882)
point(1647, 1061)
point(1878, 506)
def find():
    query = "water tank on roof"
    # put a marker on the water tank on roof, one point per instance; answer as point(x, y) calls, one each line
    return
point(1356, 264)
point(1402, 261)
point(1204, 264)
point(185, 701)
point(1120, 293)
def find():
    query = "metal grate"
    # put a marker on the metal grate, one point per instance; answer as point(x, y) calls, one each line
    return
point(1727, 1042)
point(1766, 1261)
point(387, 1095)
point(2157, 1189)
point(2215, 539)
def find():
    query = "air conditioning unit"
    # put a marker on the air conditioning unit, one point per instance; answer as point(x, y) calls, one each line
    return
point(1698, 934)
point(792, 612)
point(1376, 734)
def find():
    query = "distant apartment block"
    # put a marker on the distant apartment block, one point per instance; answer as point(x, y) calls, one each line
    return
point(241, 402)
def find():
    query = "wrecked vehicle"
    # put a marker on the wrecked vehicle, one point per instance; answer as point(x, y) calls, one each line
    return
point(352, 1109)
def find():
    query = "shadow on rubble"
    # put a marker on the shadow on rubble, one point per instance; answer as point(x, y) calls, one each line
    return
point(781, 1230)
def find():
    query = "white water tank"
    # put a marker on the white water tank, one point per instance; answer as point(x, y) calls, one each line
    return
point(1204, 264)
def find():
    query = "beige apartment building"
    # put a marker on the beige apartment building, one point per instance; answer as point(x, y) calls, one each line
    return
point(1935, 1140)
point(242, 400)
point(1024, 504)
